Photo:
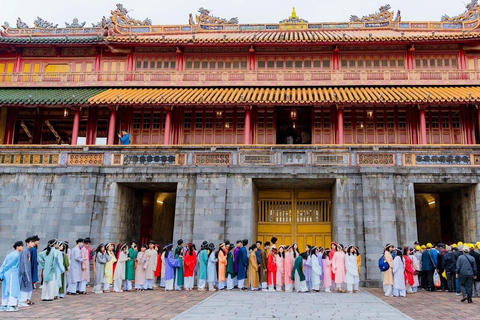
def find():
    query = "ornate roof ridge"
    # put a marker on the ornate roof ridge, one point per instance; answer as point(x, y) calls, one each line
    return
point(121, 24)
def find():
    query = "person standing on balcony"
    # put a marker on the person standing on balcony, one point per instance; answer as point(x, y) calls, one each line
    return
point(124, 138)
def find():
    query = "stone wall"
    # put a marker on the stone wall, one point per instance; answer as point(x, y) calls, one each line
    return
point(371, 206)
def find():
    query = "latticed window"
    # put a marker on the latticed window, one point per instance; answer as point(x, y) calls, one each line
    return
point(209, 120)
point(187, 120)
point(366, 61)
point(402, 119)
point(155, 64)
point(295, 63)
point(435, 61)
point(137, 119)
point(146, 121)
point(156, 120)
point(198, 120)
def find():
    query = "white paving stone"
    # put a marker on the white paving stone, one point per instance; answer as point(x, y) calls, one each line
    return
point(280, 305)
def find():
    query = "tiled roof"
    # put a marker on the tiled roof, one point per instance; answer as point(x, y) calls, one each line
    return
point(47, 96)
point(305, 36)
point(51, 40)
point(341, 95)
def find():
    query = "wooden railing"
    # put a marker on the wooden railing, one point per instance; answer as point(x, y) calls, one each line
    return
point(242, 78)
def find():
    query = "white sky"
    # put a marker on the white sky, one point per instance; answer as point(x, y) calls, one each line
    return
point(248, 11)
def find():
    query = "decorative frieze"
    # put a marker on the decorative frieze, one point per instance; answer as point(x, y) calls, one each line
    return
point(85, 159)
point(376, 159)
point(329, 159)
point(257, 159)
point(439, 159)
point(149, 159)
point(29, 159)
point(212, 159)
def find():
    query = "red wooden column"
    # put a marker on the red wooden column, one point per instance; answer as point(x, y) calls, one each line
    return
point(168, 126)
point(251, 58)
point(10, 128)
point(423, 125)
point(462, 59)
point(76, 125)
point(180, 59)
point(340, 135)
point(248, 125)
point(412, 119)
point(410, 57)
point(18, 63)
point(92, 126)
point(336, 58)
point(111, 126)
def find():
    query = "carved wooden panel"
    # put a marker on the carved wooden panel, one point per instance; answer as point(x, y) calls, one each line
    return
point(374, 159)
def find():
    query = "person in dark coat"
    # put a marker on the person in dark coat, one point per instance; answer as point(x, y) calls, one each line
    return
point(449, 264)
point(476, 287)
point(466, 272)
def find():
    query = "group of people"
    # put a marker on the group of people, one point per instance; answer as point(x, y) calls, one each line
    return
point(453, 268)
point(127, 267)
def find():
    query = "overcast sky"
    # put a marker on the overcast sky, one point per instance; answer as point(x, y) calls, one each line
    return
point(248, 11)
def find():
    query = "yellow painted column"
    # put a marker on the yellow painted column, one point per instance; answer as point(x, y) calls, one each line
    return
point(3, 123)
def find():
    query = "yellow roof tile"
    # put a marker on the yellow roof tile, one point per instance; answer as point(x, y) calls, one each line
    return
point(287, 95)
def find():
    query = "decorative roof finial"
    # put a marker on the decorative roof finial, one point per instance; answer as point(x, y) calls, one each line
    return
point(294, 14)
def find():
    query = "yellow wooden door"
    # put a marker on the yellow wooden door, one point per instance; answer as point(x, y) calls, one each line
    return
point(301, 216)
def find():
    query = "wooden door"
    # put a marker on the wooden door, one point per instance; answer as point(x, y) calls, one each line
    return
point(301, 216)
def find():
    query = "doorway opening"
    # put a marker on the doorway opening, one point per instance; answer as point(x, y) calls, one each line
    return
point(152, 213)
point(294, 125)
point(443, 212)
point(301, 215)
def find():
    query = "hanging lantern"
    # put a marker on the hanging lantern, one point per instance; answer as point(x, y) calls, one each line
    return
point(293, 114)
point(65, 112)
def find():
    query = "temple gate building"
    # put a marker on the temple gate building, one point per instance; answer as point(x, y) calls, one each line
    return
point(364, 132)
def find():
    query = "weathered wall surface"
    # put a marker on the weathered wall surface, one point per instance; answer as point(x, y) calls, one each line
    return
point(371, 206)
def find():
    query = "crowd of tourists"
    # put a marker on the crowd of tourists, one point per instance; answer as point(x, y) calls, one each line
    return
point(129, 267)
point(453, 268)
point(260, 266)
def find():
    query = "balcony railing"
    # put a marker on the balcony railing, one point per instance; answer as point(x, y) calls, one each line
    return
point(238, 156)
point(243, 78)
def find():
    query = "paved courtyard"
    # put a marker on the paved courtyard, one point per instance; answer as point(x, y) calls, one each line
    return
point(368, 304)
point(266, 305)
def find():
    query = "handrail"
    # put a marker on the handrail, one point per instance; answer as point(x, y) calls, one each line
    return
point(242, 77)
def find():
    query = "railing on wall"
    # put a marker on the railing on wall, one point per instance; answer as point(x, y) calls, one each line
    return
point(241, 156)
point(243, 77)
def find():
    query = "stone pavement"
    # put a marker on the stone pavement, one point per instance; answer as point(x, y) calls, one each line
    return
point(425, 305)
point(281, 305)
point(156, 304)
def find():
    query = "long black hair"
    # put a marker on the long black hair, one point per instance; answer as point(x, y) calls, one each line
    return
point(281, 254)
point(326, 254)
point(99, 248)
point(50, 244)
point(400, 253)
